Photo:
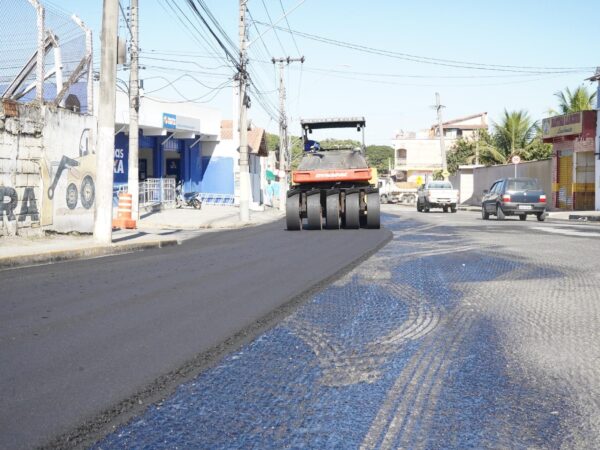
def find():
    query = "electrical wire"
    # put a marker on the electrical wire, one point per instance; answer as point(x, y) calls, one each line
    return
point(429, 60)
point(125, 18)
point(289, 28)
point(172, 83)
point(271, 20)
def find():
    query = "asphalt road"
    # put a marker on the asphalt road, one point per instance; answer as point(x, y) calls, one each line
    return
point(85, 343)
point(458, 334)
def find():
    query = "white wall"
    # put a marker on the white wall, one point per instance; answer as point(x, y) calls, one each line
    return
point(20, 181)
point(47, 161)
point(484, 177)
point(69, 138)
point(421, 153)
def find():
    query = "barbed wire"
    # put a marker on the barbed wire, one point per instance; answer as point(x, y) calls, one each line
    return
point(19, 35)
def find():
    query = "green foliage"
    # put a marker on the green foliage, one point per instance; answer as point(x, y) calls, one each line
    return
point(512, 135)
point(516, 134)
point(331, 144)
point(437, 175)
point(379, 157)
point(296, 150)
point(272, 142)
point(578, 100)
point(464, 151)
point(537, 149)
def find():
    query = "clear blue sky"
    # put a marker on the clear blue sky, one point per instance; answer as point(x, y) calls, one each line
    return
point(391, 93)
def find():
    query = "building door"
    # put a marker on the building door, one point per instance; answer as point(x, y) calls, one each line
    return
point(584, 188)
point(565, 180)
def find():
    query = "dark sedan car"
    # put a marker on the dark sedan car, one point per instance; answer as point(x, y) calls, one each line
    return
point(514, 197)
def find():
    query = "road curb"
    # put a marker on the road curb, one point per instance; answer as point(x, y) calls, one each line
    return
point(82, 253)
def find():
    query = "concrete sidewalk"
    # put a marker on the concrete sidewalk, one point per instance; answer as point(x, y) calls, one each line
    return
point(155, 230)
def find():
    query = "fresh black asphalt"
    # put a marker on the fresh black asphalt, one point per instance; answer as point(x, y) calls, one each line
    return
point(85, 344)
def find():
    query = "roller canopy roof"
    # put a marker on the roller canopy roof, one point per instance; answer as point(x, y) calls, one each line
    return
point(336, 122)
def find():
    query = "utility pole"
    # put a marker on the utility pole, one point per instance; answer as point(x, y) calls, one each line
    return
point(283, 140)
point(134, 107)
point(244, 104)
point(439, 107)
point(596, 77)
point(106, 123)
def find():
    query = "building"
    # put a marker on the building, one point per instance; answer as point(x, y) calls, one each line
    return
point(573, 139)
point(175, 141)
point(418, 155)
point(226, 156)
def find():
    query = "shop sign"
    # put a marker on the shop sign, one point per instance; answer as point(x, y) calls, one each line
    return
point(169, 121)
point(562, 125)
point(174, 122)
point(188, 123)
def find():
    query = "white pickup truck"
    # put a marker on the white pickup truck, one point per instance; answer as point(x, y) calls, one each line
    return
point(437, 194)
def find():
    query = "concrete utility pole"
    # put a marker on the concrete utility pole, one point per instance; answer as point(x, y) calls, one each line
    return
point(283, 139)
point(134, 107)
point(596, 77)
point(439, 107)
point(106, 123)
point(244, 104)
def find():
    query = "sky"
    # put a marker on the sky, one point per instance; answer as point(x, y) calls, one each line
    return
point(533, 48)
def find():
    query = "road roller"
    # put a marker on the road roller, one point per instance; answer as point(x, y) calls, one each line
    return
point(332, 188)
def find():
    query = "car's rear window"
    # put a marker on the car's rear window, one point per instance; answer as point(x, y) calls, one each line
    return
point(522, 185)
point(440, 185)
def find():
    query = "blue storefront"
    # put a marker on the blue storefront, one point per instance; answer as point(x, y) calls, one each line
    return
point(174, 152)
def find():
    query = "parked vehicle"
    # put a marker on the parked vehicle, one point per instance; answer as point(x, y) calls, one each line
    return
point(187, 199)
point(514, 197)
point(437, 194)
point(388, 191)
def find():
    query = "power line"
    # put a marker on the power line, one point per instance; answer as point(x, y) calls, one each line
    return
point(192, 28)
point(125, 18)
point(197, 99)
point(429, 60)
point(186, 62)
point(171, 83)
point(227, 51)
point(271, 20)
point(289, 28)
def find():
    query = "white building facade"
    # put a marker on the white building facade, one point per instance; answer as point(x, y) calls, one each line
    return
point(418, 154)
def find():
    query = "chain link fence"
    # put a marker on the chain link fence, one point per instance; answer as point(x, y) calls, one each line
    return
point(31, 26)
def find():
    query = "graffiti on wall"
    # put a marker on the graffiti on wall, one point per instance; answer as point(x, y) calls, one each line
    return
point(68, 170)
point(80, 171)
point(9, 202)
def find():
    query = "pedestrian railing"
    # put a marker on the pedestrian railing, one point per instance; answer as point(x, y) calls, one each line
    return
point(217, 199)
point(157, 191)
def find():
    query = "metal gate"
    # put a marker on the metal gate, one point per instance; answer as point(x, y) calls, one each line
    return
point(584, 187)
point(565, 180)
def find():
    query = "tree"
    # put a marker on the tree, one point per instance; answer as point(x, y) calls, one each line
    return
point(461, 153)
point(272, 142)
point(578, 100)
point(512, 136)
point(537, 149)
point(464, 151)
point(379, 157)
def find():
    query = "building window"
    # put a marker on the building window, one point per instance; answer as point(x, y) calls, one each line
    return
point(401, 157)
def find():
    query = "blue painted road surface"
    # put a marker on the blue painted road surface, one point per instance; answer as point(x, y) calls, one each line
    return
point(444, 339)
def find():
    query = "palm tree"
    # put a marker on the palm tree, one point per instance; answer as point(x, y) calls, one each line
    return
point(578, 100)
point(512, 136)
